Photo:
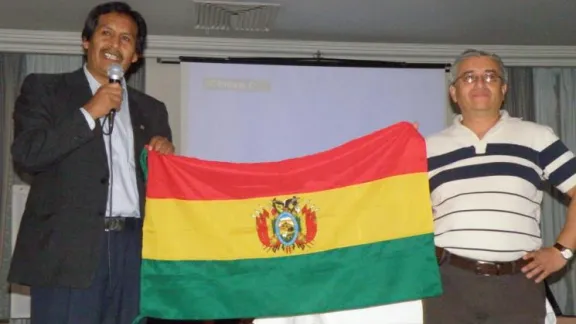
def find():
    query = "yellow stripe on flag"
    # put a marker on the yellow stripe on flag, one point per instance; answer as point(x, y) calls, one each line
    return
point(381, 210)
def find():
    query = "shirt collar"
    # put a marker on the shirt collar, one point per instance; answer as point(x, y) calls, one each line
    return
point(504, 116)
point(94, 84)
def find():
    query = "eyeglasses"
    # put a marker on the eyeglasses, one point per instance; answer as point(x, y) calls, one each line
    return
point(470, 78)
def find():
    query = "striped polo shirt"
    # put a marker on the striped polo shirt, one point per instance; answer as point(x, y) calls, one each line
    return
point(486, 193)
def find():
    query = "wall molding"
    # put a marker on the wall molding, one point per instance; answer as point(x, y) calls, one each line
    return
point(54, 42)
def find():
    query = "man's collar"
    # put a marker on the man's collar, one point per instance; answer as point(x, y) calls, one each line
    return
point(503, 117)
point(94, 84)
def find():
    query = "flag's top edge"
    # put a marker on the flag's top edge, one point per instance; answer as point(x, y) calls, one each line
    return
point(392, 151)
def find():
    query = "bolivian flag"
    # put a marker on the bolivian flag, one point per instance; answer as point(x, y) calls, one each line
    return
point(346, 228)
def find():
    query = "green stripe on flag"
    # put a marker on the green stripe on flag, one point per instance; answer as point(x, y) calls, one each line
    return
point(347, 278)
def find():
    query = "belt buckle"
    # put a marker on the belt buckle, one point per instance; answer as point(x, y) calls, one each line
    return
point(478, 269)
point(114, 224)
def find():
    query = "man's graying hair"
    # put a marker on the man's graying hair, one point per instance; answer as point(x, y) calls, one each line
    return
point(477, 53)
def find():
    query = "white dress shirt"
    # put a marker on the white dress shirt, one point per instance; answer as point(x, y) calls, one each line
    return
point(124, 198)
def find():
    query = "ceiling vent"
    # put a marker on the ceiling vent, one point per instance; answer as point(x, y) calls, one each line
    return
point(235, 16)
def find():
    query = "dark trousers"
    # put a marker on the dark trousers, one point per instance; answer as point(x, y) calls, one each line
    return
point(469, 298)
point(112, 298)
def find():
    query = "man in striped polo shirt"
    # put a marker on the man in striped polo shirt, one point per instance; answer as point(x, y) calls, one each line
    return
point(486, 178)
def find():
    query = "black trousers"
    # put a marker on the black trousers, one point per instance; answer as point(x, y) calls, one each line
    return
point(469, 298)
point(112, 298)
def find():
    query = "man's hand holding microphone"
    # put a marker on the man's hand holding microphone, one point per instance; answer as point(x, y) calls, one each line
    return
point(109, 96)
point(107, 101)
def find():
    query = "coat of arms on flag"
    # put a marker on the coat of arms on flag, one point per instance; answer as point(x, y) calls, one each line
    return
point(285, 225)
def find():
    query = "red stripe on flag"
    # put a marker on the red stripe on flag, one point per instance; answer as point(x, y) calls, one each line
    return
point(396, 150)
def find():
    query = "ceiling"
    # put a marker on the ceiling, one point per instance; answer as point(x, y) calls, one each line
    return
point(459, 22)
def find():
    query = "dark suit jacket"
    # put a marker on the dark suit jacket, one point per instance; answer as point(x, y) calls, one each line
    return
point(62, 228)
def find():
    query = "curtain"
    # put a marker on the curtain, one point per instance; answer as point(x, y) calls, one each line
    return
point(136, 76)
point(555, 106)
point(52, 63)
point(519, 100)
point(47, 63)
point(11, 75)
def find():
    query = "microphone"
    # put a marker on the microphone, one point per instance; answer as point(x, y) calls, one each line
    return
point(115, 75)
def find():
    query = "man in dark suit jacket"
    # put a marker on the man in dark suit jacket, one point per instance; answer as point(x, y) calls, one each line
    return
point(79, 244)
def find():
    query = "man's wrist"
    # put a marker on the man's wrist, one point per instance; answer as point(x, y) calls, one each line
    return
point(91, 122)
point(566, 252)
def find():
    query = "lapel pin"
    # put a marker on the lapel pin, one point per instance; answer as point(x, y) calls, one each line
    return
point(142, 127)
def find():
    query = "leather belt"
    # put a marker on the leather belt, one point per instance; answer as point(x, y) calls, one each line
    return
point(482, 268)
point(118, 224)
